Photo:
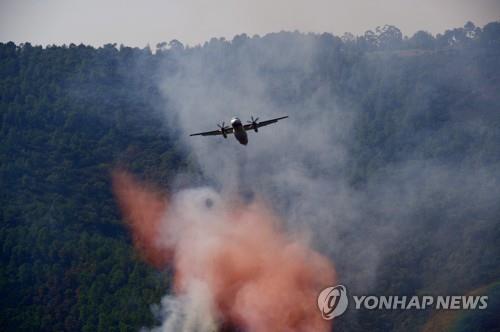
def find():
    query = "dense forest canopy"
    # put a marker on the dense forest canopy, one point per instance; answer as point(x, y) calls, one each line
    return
point(72, 113)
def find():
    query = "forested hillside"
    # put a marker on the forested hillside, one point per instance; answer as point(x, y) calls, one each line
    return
point(71, 114)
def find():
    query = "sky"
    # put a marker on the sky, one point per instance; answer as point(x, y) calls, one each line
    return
point(138, 23)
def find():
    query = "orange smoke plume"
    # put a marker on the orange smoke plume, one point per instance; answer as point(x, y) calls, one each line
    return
point(143, 208)
point(258, 277)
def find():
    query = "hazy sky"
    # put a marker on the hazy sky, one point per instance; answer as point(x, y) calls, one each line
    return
point(137, 23)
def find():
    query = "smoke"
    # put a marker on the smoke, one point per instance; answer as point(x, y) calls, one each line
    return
point(144, 210)
point(234, 265)
point(352, 115)
point(297, 165)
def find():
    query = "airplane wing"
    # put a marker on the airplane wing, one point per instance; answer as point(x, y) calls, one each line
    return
point(264, 123)
point(227, 130)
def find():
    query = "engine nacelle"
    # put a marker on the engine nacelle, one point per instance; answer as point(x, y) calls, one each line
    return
point(255, 128)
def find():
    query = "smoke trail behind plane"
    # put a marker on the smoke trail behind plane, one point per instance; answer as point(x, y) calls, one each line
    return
point(233, 265)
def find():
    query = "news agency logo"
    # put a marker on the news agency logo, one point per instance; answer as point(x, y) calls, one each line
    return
point(333, 302)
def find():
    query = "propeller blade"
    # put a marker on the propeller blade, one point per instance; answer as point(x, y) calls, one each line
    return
point(253, 121)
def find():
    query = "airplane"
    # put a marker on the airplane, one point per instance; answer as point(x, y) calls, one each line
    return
point(238, 129)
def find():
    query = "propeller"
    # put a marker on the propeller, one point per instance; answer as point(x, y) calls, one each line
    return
point(254, 123)
point(223, 129)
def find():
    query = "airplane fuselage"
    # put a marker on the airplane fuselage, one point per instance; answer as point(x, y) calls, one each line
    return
point(239, 131)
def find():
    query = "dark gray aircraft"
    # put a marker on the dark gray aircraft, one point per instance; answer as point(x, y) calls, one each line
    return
point(238, 129)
